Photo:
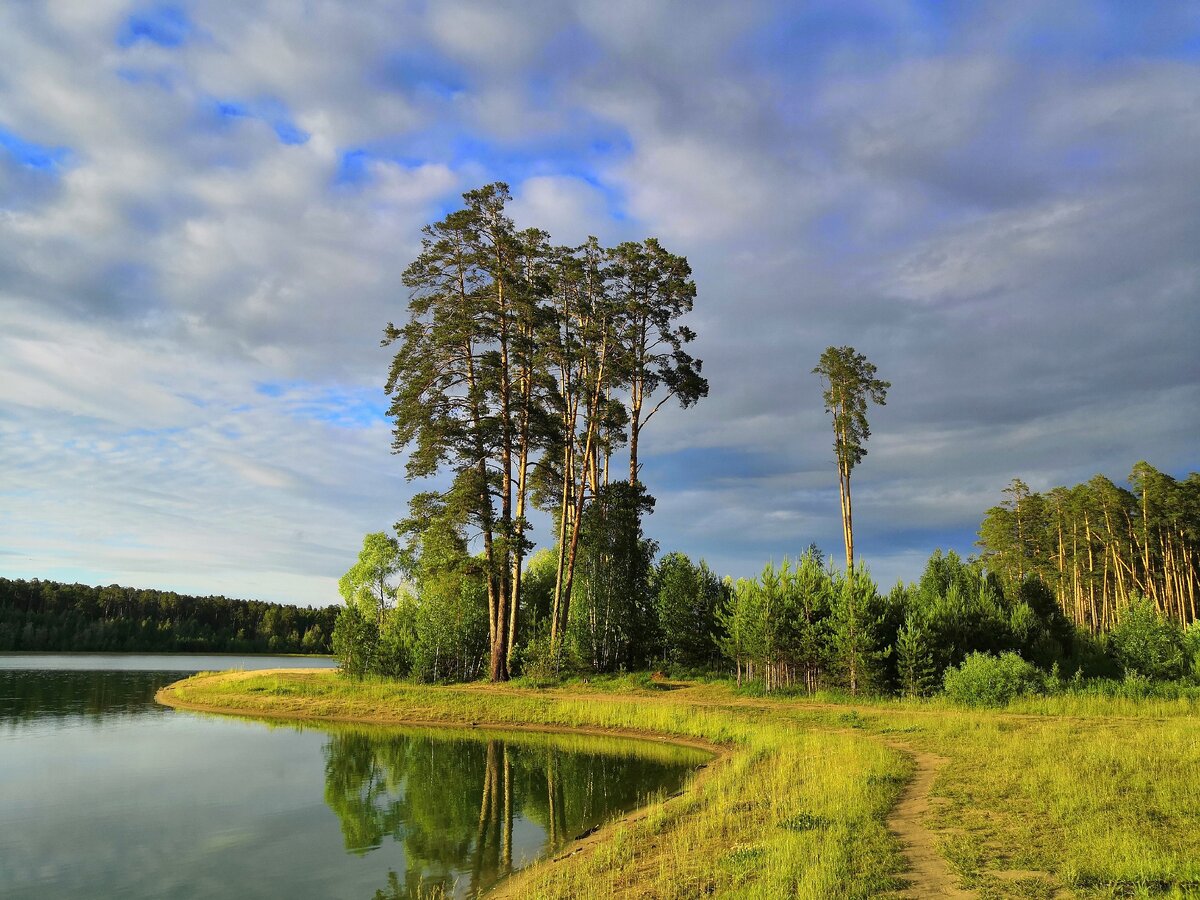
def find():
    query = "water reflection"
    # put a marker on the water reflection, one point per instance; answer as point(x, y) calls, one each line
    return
point(470, 808)
point(36, 688)
point(33, 697)
point(105, 794)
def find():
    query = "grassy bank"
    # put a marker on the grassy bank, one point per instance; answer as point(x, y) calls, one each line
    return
point(1092, 800)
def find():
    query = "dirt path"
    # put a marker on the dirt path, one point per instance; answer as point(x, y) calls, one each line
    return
point(928, 875)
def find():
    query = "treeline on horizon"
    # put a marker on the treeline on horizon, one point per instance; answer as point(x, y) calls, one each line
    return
point(51, 616)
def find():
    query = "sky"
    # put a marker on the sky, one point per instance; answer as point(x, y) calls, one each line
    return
point(206, 208)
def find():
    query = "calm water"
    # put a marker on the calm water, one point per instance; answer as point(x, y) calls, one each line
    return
point(105, 794)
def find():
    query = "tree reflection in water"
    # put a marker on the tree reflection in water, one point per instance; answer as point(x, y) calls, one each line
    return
point(452, 799)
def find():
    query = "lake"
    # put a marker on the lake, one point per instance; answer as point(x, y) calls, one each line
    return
point(103, 793)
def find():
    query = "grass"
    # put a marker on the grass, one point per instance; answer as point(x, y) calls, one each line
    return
point(1083, 796)
point(1105, 806)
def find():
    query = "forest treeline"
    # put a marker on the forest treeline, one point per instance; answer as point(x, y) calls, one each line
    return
point(47, 615)
point(1096, 544)
point(971, 626)
point(799, 624)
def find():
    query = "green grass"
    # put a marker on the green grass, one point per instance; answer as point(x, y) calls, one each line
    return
point(1107, 807)
point(1082, 796)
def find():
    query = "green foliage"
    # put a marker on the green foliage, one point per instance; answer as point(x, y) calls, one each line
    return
point(1090, 545)
point(1146, 643)
point(859, 647)
point(397, 640)
point(537, 590)
point(355, 642)
point(612, 622)
point(781, 627)
point(370, 582)
point(449, 617)
point(1090, 657)
point(806, 630)
point(914, 658)
point(544, 661)
point(1191, 651)
point(850, 383)
point(687, 599)
point(967, 611)
point(985, 680)
point(437, 631)
point(656, 290)
point(451, 627)
point(1050, 635)
point(508, 344)
point(960, 608)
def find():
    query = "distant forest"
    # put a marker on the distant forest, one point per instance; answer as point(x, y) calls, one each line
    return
point(47, 615)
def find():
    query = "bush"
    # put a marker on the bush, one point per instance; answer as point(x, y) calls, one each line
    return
point(984, 680)
point(1147, 643)
point(1191, 651)
point(355, 642)
point(544, 664)
point(1090, 657)
point(393, 657)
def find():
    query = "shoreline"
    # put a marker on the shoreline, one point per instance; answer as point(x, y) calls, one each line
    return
point(813, 798)
point(512, 884)
point(166, 696)
point(769, 774)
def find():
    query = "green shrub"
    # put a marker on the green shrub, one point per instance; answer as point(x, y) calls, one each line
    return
point(1147, 643)
point(1191, 651)
point(542, 663)
point(1131, 687)
point(985, 680)
point(393, 658)
point(355, 642)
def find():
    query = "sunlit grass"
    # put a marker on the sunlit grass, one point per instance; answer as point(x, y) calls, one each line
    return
point(1107, 807)
point(1080, 795)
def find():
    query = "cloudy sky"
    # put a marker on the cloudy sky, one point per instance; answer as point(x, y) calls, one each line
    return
point(205, 208)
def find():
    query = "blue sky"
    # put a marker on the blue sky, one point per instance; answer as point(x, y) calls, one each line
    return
point(205, 209)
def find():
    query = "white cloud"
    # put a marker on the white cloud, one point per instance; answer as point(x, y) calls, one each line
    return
point(568, 208)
